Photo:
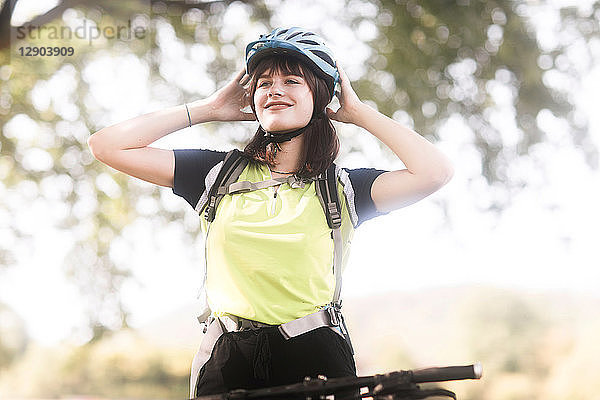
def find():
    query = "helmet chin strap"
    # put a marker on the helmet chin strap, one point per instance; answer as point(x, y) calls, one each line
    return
point(276, 138)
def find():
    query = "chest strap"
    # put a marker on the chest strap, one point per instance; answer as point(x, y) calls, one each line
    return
point(247, 186)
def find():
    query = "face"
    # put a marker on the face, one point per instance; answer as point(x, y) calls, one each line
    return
point(283, 102)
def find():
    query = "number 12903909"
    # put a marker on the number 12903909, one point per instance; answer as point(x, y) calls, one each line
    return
point(47, 51)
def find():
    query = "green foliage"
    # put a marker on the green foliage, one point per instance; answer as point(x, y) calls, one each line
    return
point(443, 55)
point(73, 172)
point(512, 328)
point(121, 365)
point(13, 338)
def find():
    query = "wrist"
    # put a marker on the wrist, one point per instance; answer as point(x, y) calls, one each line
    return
point(201, 111)
point(361, 113)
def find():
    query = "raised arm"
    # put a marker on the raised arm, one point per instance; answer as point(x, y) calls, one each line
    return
point(427, 169)
point(126, 145)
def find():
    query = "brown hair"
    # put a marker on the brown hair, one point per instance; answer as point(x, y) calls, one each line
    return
point(321, 144)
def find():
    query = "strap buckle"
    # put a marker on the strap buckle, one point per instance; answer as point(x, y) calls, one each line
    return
point(335, 313)
point(209, 213)
point(336, 218)
point(296, 183)
point(206, 323)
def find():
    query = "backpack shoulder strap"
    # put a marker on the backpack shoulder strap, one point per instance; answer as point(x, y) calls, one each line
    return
point(233, 165)
point(326, 188)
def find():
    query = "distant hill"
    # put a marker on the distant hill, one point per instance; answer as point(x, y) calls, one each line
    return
point(416, 329)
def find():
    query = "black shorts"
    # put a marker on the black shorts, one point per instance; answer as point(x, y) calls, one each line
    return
point(255, 359)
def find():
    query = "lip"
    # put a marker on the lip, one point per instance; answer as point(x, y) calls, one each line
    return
point(278, 105)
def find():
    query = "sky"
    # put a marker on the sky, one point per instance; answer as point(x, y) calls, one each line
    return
point(545, 240)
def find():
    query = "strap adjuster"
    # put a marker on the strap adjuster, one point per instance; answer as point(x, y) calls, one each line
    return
point(205, 324)
point(209, 213)
point(336, 218)
point(334, 315)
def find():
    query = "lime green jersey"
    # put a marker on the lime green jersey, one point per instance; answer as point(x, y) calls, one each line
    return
point(269, 252)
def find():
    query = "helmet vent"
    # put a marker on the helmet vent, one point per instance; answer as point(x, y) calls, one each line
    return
point(293, 35)
point(308, 42)
point(324, 56)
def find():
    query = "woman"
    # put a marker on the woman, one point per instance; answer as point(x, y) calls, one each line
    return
point(269, 250)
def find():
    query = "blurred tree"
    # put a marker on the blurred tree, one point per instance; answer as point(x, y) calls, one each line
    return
point(431, 60)
point(51, 161)
point(505, 331)
point(435, 59)
point(13, 338)
point(120, 365)
point(508, 324)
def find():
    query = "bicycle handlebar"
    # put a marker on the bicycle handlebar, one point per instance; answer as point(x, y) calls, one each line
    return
point(442, 374)
point(393, 382)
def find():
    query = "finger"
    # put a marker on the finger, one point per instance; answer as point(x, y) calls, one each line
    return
point(239, 74)
point(344, 80)
point(245, 79)
point(331, 114)
point(241, 77)
point(246, 101)
point(341, 71)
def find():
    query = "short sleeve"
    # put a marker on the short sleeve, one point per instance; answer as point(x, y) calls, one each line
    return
point(362, 181)
point(191, 168)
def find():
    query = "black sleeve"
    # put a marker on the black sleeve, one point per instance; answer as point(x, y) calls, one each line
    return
point(191, 168)
point(362, 180)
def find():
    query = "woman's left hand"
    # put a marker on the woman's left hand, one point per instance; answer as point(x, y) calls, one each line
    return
point(349, 102)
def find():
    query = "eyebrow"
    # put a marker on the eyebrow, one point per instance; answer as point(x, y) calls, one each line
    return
point(263, 76)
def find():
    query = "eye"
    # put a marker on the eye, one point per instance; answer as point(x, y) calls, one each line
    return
point(293, 81)
point(263, 83)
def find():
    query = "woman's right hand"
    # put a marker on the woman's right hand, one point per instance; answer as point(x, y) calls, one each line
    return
point(226, 104)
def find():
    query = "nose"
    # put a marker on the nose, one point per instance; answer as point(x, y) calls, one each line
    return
point(274, 90)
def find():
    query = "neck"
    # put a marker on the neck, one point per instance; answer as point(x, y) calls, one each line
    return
point(288, 158)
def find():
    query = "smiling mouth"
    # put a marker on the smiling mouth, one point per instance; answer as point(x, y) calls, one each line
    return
point(279, 106)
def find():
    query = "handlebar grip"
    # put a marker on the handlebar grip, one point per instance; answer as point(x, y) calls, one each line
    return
point(442, 374)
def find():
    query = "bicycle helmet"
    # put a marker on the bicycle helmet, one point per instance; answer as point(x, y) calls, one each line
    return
point(296, 42)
